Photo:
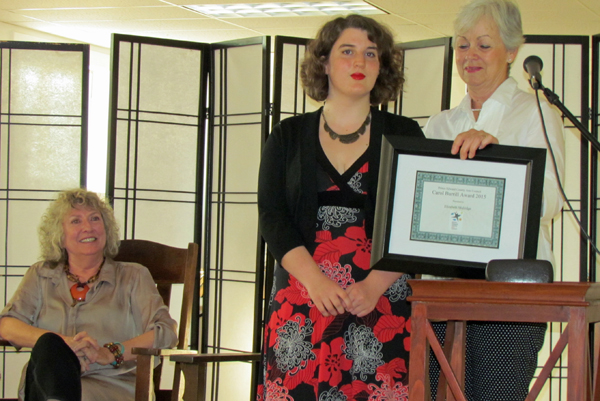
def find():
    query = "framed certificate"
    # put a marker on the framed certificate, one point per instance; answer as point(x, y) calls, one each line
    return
point(437, 214)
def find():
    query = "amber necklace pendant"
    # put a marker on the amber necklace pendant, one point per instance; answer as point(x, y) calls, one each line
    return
point(79, 290)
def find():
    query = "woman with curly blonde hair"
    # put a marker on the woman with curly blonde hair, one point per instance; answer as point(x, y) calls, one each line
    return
point(76, 299)
point(51, 228)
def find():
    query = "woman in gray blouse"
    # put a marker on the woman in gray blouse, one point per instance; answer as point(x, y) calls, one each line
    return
point(82, 312)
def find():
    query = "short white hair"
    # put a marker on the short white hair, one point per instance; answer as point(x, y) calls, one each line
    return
point(504, 13)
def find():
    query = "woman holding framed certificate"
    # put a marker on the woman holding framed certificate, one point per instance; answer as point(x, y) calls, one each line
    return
point(501, 357)
point(336, 328)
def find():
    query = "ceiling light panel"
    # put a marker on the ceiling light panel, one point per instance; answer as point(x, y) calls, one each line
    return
point(305, 9)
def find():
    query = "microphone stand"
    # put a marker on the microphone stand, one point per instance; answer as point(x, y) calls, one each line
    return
point(553, 99)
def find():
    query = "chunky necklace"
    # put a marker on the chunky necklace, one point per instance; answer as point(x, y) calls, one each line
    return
point(347, 138)
point(79, 290)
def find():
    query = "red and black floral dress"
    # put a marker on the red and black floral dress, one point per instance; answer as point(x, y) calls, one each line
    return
point(337, 358)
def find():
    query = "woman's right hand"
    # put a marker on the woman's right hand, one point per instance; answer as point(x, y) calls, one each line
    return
point(84, 362)
point(83, 346)
point(327, 296)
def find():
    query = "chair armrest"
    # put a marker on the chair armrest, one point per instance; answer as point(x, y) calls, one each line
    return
point(161, 351)
point(207, 358)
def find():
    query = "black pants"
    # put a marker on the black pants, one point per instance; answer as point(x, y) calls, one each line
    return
point(501, 358)
point(53, 372)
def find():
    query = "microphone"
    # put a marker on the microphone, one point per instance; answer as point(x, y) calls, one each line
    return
point(533, 65)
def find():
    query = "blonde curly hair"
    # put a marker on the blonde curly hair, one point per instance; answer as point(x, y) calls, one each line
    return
point(51, 232)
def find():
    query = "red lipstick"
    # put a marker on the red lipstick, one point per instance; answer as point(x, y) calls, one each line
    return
point(358, 76)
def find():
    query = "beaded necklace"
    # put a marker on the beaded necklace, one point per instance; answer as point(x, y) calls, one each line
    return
point(79, 290)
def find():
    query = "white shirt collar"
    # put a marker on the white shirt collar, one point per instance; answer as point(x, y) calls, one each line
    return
point(503, 95)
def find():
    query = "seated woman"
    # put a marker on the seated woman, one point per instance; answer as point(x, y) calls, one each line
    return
point(81, 311)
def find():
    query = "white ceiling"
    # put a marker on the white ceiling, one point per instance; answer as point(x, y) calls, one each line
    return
point(93, 21)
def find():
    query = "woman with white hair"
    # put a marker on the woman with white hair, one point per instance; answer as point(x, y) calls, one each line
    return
point(501, 358)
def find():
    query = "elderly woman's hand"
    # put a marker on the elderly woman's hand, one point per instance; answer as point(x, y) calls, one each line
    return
point(83, 345)
point(103, 356)
point(84, 363)
point(90, 354)
point(469, 142)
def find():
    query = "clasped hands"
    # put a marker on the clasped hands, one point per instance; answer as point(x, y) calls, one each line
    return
point(88, 350)
point(359, 298)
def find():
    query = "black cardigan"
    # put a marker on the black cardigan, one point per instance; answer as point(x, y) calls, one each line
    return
point(287, 191)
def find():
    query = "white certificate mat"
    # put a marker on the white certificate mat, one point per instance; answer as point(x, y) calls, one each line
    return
point(473, 211)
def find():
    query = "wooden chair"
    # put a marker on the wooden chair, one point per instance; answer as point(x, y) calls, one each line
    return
point(168, 266)
point(192, 364)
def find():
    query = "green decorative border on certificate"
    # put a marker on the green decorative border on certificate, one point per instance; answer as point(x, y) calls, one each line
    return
point(457, 239)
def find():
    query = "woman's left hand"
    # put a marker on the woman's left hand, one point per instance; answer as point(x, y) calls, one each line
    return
point(101, 356)
point(469, 142)
point(364, 295)
point(104, 356)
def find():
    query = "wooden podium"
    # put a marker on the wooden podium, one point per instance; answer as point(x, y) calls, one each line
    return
point(457, 301)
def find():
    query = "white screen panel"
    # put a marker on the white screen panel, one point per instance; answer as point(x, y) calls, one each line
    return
point(240, 227)
point(173, 89)
point(14, 362)
point(46, 82)
point(22, 240)
point(244, 95)
point(167, 223)
point(45, 157)
point(243, 158)
point(167, 157)
point(424, 74)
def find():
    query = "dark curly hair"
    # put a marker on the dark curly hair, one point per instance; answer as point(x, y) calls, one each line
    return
point(312, 72)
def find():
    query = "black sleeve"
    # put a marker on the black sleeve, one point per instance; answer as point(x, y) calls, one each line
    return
point(276, 221)
point(408, 127)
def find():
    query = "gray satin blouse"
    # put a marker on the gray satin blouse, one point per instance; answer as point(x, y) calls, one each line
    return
point(124, 303)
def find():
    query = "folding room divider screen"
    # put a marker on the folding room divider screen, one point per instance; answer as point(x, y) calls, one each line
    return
point(239, 124)
point(595, 131)
point(156, 142)
point(43, 149)
point(187, 125)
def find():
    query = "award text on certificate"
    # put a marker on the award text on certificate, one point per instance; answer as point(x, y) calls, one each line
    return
point(457, 209)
